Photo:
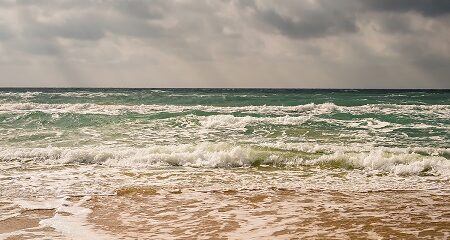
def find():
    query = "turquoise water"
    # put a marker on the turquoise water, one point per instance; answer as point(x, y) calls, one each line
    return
point(391, 131)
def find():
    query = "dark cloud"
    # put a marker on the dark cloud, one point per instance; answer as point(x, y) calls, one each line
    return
point(424, 55)
point(436, 68)
point(310, 24)
point(396, 24)
point(430, 8)
point(437, 65)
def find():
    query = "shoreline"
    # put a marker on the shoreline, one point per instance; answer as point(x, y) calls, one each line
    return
point(147, 212)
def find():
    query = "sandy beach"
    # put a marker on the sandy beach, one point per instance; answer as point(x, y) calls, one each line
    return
point(151, 213)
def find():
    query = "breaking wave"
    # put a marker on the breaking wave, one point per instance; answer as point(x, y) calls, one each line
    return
point(222, 155)
point(89, 108)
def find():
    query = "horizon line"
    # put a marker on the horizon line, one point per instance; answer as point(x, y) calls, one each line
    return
point(223, 88)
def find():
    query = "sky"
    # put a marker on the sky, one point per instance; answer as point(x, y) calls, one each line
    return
point(225, 43)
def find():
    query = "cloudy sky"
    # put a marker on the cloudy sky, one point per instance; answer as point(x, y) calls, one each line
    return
point(225, 43)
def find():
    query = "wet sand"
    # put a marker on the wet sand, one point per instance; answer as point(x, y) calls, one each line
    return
point(26, 225)
point(271, 214)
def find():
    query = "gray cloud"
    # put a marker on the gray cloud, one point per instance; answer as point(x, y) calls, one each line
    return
point(5, 33)
point(141, 8)
point(396, 24)
point(311, 24)
point(231, 43)
point(300, 19)
point(80, 28)
point(426, 7)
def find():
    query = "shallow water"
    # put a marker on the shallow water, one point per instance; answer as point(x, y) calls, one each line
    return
point(71, 151)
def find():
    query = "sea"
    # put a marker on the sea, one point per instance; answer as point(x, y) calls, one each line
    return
point(224, 163)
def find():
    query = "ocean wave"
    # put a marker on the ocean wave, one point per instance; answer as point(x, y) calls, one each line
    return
point(24, 95)
point(406, 163)
point(232, 122)
point(84, 94)
point(399, 161)
point(89, 108)
point(203, 155)
point(312, 108)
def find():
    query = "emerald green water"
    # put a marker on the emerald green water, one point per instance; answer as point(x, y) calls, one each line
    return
point(267, 126)
point(227, 97)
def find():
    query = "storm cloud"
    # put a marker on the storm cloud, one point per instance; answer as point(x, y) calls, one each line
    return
point(430, 8)
point(225, 43)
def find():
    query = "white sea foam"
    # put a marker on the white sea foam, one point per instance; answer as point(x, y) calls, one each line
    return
point(203, 155)
point(90, 108)
point(25, 95)
point(229, 121)
point(405, 163)
point(40, 205)
point(401, 161)
point(142, 109)
point(74, 225)
point(70, 218)
point(89, 94)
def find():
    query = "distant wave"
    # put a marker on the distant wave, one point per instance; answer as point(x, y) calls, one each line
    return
point(89, 108)
point(232, 122)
